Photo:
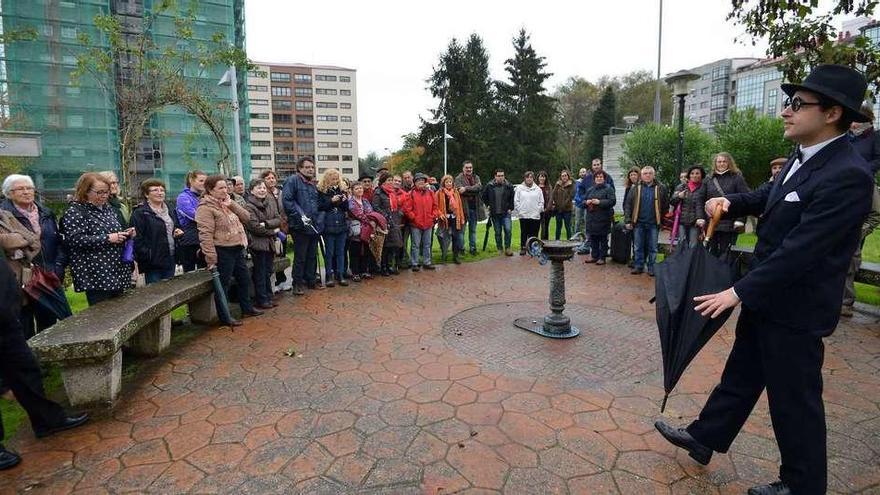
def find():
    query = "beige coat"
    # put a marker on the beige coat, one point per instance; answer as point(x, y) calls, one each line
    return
point(217, 227)
point(17, 241)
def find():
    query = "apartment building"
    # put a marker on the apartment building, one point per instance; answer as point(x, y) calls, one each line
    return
point(709, 98)
point(312, 111)
point(260, 118)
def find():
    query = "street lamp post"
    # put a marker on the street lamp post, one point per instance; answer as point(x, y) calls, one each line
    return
point(229, 79)
point(679, 82)
point(445, 137)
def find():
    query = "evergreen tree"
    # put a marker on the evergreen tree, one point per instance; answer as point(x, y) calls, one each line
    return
point(603, 119)
point(526, 119)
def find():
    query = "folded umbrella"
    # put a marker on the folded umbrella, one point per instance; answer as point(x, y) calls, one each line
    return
point(486, 235)
point(688, 273)
point(220, 297)
point(44, 291)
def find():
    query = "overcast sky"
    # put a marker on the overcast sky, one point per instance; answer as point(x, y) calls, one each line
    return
point(393, 45)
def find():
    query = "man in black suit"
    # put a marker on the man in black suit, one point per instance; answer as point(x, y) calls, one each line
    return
point(20, 371)
point(809, 228)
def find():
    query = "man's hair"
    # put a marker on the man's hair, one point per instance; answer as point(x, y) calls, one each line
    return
point(467, 162)
point(648, 167)
point(528, 174)
point(212, 181)
point(267, 173)
point(302, 162)
point(595, 159)
point(497, 170)
point(149, 183)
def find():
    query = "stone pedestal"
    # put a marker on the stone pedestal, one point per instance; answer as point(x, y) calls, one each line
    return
point(95, 382)
point(557, 322)
point(152, 339)
point(203, 310)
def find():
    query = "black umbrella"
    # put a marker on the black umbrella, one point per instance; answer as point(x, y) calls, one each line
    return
point(688, 273)
point(220, 297)
point(44, 291)
point(486, 236)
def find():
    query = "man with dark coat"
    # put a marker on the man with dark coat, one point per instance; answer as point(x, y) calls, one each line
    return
point(791, 297)
point(469, 187)
point(498, 197)
point(300, 199)
point(20, 371)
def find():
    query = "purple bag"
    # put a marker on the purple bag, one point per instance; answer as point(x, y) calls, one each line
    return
point(128, 251)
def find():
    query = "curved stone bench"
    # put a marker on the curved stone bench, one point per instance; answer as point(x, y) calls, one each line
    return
point(88, 345)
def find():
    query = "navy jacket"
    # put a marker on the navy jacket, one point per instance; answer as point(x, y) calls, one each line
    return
point(50, 240)
point(807, 234)
point(298, 192)
point(151, 248)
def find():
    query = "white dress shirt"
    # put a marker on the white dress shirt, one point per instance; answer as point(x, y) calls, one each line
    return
point(805, 153)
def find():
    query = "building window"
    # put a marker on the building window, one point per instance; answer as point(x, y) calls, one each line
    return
point(260, 74)
point(283, 147)
point(259, 116)
point(328, 132)
point(256, 87)
point(344, 79)
point(68, 32)
point(74, 121)
point(284, 158)
point(704, 91)
point(260, 129)
point(326, 104)
point(346, 118)
point(305, 133)
point(346, 132)
point(346, 106)
point(704, 104)
point(305, 146)
point(328, 158)
point(303, 92)
point(260, 144)
point(346, 145)
point(304, 120)
point(280, 77)
point(347, 170)
point(345, 92)
point(280, 91)
point(302, 78)
point(325, 91)
point(322, 77)
point(282, 132)
point(261, 157)
point(259, 102)
point(303, 105)
point(328, 144)
point(328, 118)
point(347, 158)
point(282, 105)
point(282, 118)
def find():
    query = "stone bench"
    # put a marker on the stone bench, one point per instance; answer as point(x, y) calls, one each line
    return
point(88, 345)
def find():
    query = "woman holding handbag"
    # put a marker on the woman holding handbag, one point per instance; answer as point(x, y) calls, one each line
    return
point(450, 218)
point(688, 199)
point(360, 258)
point(333, 201)
point(724, 179)
point(263, 242)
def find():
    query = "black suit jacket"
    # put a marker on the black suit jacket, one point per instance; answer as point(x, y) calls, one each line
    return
point(867, 144)
point(804, 247)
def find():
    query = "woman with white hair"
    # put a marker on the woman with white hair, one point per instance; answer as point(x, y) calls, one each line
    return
point(123, 214)
point(20, 203)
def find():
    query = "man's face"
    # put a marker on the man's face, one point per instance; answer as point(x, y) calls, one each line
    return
point(308, 170)
point(420, 185)
point(647, 176)
point(468, 169)
point(596, 165)
point(407, 178)
point(367, 183)
point(809, 121)
point(775, 169)
point(271, 181)
point(499, 177)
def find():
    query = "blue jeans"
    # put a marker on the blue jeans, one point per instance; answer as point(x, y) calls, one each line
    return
point(499, 221)
point(471, 214)
point(563, 218)
point(334, 255)
point(262, 271)
point(420, 240)
point(645, 236)
point(688, 234)
point(158, 274)
point(580, 219)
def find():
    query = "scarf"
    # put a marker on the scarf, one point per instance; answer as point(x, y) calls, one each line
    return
point(450, 198)
point(470, 179)
point(392, 195)
point(693, 186)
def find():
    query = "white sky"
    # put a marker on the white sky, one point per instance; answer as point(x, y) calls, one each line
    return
point(394, 44)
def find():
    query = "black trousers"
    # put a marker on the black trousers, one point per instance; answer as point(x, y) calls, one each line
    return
point(528, 228)
point(189, 258)
point(788, 364)
point(545, 224)
point(21, 373)
point(231, 263)
point(360, 257)
point(305, 258)
point(262, 273)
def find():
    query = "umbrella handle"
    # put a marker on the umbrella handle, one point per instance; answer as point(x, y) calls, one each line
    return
point(716, 217)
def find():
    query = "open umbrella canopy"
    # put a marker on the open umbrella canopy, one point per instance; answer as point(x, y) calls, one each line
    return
point(688, 273)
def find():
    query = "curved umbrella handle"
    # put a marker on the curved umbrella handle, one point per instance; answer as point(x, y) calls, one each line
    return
point(716, 217)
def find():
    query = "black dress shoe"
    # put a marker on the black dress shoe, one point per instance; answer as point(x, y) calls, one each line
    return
point(253, 312)
point(681, 438)
point(66, 424)
point(233, 323)
point(8, 459)
point(775, 488)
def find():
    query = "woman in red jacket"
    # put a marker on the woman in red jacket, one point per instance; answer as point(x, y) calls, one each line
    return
point(421, 211)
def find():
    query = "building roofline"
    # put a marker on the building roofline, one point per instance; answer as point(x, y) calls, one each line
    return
point(304, 66)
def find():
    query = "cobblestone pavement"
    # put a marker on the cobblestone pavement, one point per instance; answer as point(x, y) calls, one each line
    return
point(401, 386)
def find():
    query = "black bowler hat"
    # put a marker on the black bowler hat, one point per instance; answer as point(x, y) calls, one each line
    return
point(845, 85)
point(365, 176)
